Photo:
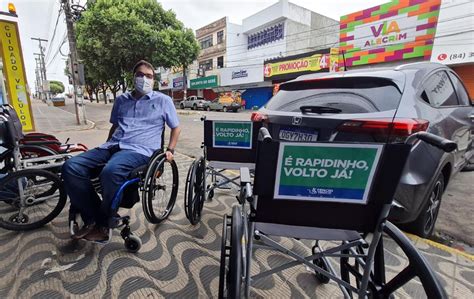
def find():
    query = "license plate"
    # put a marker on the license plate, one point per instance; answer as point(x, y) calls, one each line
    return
point(291, 135)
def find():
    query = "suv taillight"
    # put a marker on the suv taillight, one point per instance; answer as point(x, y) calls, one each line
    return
point(258, 117)
point(398, 127)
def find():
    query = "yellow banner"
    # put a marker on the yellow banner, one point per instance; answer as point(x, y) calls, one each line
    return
point(311, 63)
point(12, 57)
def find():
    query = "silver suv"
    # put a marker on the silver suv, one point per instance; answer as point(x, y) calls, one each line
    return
point(384, 105)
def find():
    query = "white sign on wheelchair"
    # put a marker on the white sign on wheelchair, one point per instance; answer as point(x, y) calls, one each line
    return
point(326, 172)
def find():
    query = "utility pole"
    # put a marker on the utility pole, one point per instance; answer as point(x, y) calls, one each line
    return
point(43, 68)
point(40, 75)
point(74, 64)
point(38, 78)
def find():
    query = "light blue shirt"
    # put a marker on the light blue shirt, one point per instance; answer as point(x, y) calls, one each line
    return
point(141, 122)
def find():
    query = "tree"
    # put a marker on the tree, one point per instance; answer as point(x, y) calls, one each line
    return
point(56, 87)
point(112, 35)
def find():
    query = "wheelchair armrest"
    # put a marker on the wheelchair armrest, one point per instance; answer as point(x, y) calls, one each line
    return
point(244, 176)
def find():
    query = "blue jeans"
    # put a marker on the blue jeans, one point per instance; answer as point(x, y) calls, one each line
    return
point(78, 171)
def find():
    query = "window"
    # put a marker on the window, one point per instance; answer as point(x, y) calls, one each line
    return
point(265, 36)
point(206, 42)
point(220, 62)
point(206, 64)
point(220, 37)
point(439, 90)
point(460, 90)
point(351, 95)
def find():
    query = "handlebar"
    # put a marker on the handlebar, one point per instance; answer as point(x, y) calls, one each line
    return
point(264, 135)
point(437, 141)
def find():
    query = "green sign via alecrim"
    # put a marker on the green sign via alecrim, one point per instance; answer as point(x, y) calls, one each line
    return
point(202, 83)
point(232, 134)
point(326, 172)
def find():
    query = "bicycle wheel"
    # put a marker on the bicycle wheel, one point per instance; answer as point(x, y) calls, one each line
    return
point(195, 191)
point(30, 198)
point(160, 189)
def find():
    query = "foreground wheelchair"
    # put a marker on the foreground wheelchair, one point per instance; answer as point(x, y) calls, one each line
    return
point(158, 182)
point(337, 192)
point(228, 145)
point(31, 192)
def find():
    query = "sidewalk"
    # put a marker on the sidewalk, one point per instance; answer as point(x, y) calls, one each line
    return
point(177, 259)
point(52, 119)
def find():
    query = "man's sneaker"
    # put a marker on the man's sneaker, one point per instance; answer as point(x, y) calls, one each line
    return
point(98, 234)
point(83, 231)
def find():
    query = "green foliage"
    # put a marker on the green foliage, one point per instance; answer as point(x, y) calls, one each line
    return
point(56, 87)
point(112, 35)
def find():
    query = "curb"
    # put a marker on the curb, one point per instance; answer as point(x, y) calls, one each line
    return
point(183, 112)
point(440, 246)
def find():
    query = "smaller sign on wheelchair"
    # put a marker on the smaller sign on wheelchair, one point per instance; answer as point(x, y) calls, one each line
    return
point(232, 134)
point(326, 172)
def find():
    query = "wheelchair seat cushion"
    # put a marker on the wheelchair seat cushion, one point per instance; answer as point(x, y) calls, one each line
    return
point(136, 172)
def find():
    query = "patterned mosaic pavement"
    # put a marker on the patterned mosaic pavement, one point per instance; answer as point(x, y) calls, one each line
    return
point(177, 260)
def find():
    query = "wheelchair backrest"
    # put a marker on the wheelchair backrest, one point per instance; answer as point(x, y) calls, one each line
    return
point(12, 130)
point(328, 185)
point(231, 141)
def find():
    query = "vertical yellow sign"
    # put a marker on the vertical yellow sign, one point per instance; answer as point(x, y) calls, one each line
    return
point(13, 65)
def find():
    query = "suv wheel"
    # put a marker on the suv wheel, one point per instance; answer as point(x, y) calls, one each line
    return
point(208, 108)
point(470, 165)
point(181, 106)
point(224, 109)
point(424, 225)
point(195, 107)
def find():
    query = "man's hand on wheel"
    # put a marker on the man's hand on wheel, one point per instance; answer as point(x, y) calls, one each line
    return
point(169, 156)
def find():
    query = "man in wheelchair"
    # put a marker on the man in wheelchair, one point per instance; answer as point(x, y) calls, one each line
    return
point(138, 119)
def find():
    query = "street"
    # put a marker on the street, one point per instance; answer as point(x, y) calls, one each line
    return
point(177, 259)
point(454, 221)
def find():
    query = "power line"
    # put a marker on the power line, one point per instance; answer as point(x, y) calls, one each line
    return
point(326, 34)
point(58, 50)
point(457, 42)
point(322, 46)
point(48, 52)
point(338, 25)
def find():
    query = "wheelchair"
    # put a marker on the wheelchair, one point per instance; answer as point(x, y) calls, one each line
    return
point(31, 193)
point(349, 215)
point(220, 154)
point(158, 182)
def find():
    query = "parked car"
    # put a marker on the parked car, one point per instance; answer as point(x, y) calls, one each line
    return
point(193, 102)
point(373, 105)
point(217, 105)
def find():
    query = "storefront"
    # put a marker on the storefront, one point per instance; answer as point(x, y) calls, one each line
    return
point(204, 86)
point(248, 82)
point(288, 68)
point(456, 50)
point(389, 34)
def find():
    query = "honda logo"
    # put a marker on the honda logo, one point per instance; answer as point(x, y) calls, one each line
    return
point(297, 120)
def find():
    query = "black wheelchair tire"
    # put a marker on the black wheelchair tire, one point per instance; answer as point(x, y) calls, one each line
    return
point(234, 276)
point(223, 260)
point(132, 243)
point(55, 211)
point(156, 164)
point(321, 263)
point(195, 191)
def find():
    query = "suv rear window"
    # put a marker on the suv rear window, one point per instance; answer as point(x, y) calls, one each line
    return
point(351, 95)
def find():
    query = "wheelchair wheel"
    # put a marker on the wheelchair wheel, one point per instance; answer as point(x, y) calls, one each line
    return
point(321, 263)
point(194, 194)
point(230, 280)
point(160, 189)
point(30, 198)
point(133, 243)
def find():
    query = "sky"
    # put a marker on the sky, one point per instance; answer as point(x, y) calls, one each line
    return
point(37, 18)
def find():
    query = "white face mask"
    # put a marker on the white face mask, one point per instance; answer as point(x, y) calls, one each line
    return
point(143, 85)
